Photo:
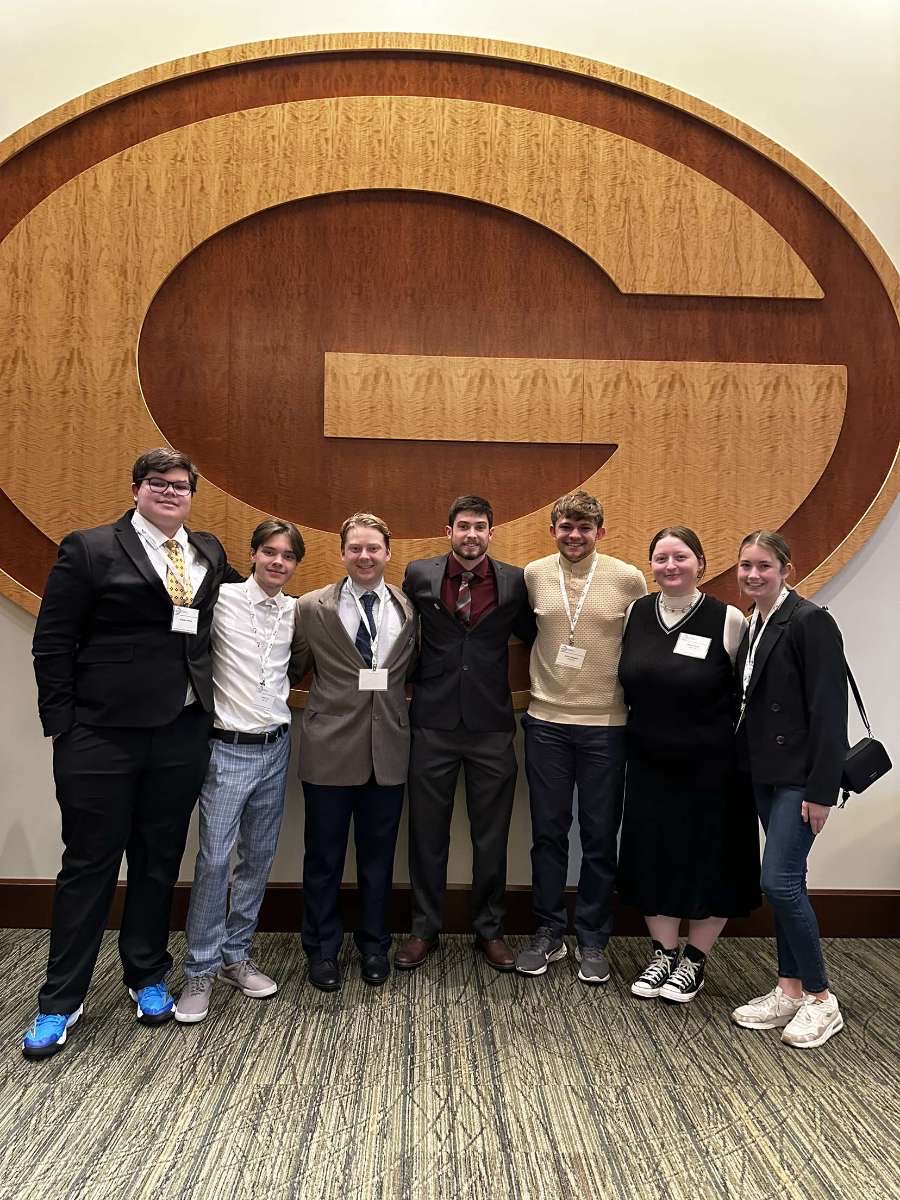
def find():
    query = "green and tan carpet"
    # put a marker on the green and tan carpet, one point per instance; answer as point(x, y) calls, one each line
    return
point(454, 1083)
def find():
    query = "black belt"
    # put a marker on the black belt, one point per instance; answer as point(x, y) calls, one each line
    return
point(249, 739)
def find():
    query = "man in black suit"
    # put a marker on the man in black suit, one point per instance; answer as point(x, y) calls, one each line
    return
point(462, 716)
point(122, 661)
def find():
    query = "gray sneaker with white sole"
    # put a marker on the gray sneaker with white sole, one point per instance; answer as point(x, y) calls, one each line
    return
point(545, 947)
point(193, 1003)
point(249, 979)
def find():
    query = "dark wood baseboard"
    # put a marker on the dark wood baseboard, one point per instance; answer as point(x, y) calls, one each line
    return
point(26, 904)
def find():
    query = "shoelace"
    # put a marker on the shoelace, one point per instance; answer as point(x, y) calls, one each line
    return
point(197, 984)
point(542, 940)
point(805, 1013)
point(685, 974)
point(248, 967)
point(658, 970)
point(50, 1021)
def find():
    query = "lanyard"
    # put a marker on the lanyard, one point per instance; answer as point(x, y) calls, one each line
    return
point(573, 620)
point(383, 601)
point(755, 639)
point(183, 579)
point(265, 651)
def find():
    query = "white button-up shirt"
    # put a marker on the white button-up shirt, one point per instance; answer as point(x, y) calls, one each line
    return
point(237, 657)
point(388, 630)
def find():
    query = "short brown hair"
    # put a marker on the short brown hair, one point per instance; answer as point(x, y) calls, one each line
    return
point(273, 527)
point(577, 506)
point(161, 460)
point(368, 521)
point(690, 539)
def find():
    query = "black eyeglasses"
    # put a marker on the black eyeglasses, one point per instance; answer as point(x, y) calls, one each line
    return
point(181, 487)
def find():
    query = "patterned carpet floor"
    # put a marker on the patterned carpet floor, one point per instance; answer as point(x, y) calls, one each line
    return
point(454, 1083)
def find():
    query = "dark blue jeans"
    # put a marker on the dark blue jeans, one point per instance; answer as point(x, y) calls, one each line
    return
point(557, 758)
point(788, 843)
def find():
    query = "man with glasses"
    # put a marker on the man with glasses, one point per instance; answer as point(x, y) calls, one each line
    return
point(122, 661)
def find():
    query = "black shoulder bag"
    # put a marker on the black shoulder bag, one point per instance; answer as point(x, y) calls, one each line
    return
point(867, 760)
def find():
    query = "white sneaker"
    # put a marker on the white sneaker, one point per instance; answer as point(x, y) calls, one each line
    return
point(771, 1011)
point(815, 1022)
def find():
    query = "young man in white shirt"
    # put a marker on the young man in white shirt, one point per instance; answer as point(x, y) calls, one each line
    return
point(243, 796)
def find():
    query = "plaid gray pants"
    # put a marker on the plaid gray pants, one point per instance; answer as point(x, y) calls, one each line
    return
point(241, 803)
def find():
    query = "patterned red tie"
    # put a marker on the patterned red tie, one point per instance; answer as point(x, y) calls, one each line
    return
point(464, 599)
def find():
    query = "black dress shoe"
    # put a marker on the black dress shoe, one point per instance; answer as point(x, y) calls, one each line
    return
point(375, 969)
point(325, 975)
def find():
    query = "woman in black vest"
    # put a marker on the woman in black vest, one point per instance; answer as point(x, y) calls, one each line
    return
point(690, 842)
point(792, 739)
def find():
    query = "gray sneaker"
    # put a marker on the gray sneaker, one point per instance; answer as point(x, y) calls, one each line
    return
point(594, 965)
point(193, 1003)
point(249, 979)
point(545, 947)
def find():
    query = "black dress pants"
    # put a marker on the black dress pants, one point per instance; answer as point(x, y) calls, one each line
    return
point(127, 791)
point(488, 761)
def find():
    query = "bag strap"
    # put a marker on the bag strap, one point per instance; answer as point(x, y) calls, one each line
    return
point(858, 698)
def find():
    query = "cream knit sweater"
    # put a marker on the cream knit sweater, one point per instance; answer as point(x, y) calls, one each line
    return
point(593, 695)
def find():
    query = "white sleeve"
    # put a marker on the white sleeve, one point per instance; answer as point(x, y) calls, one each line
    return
point(628, 614)
point(735, 624)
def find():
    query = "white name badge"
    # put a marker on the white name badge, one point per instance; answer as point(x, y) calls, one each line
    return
point(373, 681)
point(571, 657)
point(693, 645)
point(184, 620)
point(266, 697)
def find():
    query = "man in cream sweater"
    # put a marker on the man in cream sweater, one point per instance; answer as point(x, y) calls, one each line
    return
point(575, 732)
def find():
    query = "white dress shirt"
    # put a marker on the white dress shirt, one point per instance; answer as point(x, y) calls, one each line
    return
point(388, 630)
point(153, 540)
point(244, 622)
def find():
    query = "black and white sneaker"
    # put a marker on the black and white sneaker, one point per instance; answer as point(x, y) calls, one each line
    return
point(656, 972)
point(685, 981)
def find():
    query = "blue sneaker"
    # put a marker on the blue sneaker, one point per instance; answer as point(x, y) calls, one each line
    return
point(48, 1033)
point(154, 1003)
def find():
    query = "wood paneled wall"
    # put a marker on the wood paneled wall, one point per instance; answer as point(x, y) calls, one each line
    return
point(643, 303)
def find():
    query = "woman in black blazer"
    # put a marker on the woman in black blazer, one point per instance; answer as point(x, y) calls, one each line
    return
point(792, 737)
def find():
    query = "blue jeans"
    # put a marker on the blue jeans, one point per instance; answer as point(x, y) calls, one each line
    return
point(557, 758)
point(788, 843)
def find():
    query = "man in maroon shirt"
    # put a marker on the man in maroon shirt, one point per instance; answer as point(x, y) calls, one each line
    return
point(462, 716)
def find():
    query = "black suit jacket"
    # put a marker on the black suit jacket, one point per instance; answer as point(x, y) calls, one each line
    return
point(104, 652)
point(463, 672)
point(796, 703)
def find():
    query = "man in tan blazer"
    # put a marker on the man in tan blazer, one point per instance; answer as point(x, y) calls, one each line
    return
point(359, 637)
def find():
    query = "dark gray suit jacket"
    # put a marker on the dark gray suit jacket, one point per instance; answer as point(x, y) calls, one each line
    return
point(463, 672)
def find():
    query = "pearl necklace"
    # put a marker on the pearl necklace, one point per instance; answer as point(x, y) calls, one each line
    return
point(678, 610)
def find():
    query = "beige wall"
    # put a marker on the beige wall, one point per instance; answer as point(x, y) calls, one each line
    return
point(820, 79)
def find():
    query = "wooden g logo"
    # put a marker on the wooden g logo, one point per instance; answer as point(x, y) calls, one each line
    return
point(345, 279)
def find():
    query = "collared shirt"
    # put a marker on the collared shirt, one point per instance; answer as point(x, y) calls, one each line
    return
point(153, 540)
point(237, 654)
point(482, 586)
point(388, 630)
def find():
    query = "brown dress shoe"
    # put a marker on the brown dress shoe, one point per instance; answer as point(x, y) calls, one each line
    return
point(496, 953)
point(413, 952)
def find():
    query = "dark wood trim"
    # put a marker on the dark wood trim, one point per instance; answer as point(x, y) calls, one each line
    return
point(26, 904)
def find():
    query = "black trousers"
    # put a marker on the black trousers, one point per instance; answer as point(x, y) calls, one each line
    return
point(488, 761)
point(375, 810)
point(127, 791)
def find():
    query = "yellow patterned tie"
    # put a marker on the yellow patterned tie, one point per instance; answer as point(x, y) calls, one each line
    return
point(180, 594)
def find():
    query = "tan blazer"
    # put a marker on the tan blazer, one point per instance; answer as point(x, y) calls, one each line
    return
point(347, 734)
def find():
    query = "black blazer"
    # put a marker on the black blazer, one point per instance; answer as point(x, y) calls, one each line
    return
point(463, 672)
point(104, 652)
point(796, 705)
